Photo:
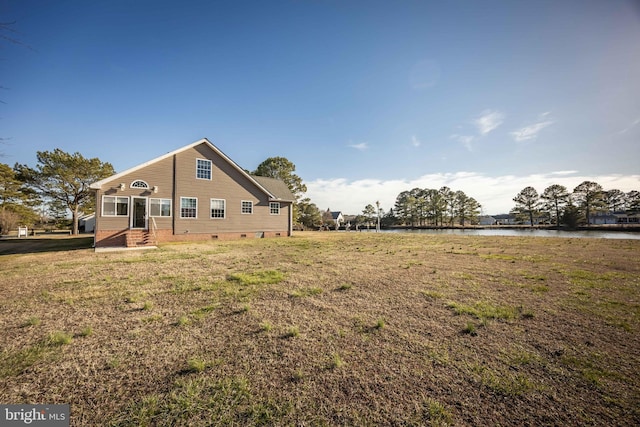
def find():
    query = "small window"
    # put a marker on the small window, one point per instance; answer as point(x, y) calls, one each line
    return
point(203, 169)
point(217, 208)
point(247, 207)
point(160, 207)
point(188, 207)
point(274, 208)
point(115, 206)
point(139, 184)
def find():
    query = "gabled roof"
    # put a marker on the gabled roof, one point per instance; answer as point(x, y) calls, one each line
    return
point(276, 187)
point(261, 186)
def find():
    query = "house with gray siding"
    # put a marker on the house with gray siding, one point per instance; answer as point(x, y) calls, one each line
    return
point(193, 193)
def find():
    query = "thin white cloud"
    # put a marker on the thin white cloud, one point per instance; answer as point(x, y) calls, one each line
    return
point(530, 132)
point(488, 121)
point(631, 126)
point(424, 74)
point(415, 141)
point(563, 172)
point(494, 193)
point(361, 146)
point(465, 140)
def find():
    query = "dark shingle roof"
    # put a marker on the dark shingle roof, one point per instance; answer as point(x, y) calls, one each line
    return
point(276, 187)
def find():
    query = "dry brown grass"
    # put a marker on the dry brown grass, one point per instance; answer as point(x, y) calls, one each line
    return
point(329, 329)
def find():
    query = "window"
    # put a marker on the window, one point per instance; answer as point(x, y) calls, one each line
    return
point(274, 208)
point(203, 169)
point(139, 184)
point(217, 208)
point(188, 207)
point(160, 207)
point(115, 206)
point(247, 207)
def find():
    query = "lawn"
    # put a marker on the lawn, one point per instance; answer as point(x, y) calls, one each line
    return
point(327, 329)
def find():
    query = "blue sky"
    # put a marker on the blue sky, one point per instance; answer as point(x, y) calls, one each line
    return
point(367, 98)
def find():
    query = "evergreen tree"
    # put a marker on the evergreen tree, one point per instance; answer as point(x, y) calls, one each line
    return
point(64, 178)
point(615, 200)
point(308, 214)
point(556, 197)
point(588, 195)
point(633, 201)
point(527, 202)
point(17, 202)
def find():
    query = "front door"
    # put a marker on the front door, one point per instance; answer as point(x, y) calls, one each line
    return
point(139, 212)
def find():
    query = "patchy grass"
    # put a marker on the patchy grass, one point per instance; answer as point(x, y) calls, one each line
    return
point(336, 361)
point(433, 413)
point(59, 338)
point(257, 278)
point(292, 332)
point(484, 310)
point(266, 326)
point(199, 364)
point(306, 292)
point(327, 329)
point(344, 287)
point(32, 321)
point(470, 329)
point(15, 362)
point(433, 295)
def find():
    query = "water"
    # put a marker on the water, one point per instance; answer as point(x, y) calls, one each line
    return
point(581, 234)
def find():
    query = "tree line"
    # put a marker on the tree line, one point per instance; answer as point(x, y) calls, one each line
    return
point(422, 207)
point(556, 205)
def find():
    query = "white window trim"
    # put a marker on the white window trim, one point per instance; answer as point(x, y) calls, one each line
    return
point(210, 169)
point(116, 207)
point(196, 208)
point(242, 202)
point(225, 209)
point(271, 207)
point(170, 207)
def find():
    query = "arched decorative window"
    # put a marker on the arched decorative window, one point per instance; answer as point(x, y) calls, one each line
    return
point(139, 184)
